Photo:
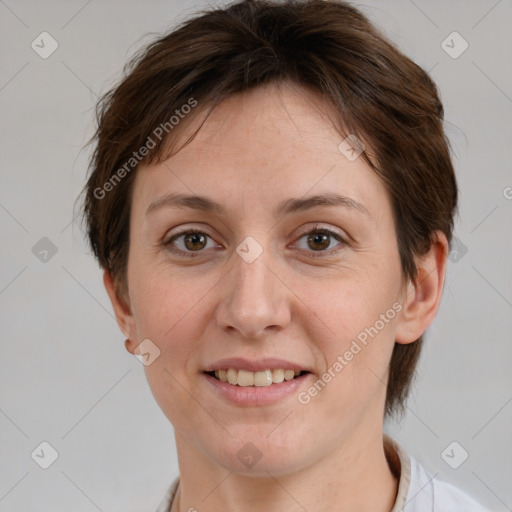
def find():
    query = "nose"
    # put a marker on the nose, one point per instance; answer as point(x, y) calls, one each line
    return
point(255, 302)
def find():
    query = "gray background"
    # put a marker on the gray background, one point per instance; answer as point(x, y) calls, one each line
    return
point(65, 376)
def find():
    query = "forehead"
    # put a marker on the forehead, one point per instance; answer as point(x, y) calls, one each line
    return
point(256, 148)
point(266, 122)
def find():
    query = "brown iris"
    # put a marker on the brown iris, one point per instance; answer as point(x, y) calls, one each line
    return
point(197, 241)
point(319, 238)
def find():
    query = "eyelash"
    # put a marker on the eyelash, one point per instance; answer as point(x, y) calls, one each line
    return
point(313, 254)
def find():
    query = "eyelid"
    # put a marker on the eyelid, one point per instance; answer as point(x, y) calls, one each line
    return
point(183, 231)
point(318, 226)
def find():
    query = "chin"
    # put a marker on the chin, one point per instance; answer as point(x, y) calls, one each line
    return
point(257, 456)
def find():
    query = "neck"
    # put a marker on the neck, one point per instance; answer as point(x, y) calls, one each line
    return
point(354, 477)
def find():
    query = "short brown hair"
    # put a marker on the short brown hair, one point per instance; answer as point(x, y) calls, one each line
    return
point(377, 93)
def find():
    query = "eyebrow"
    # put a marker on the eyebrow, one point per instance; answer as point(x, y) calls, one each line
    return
point(291, 205)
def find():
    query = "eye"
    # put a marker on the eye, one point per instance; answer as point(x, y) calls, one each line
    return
point(190, 241)
point(319, 240)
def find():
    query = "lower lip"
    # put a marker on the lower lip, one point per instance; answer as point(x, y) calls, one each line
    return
point(255, 395)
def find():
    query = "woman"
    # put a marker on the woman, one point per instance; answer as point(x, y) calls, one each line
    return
point(272, 201)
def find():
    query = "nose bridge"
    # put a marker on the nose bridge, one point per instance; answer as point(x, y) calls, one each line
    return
point(252, 274)
point(254, 299)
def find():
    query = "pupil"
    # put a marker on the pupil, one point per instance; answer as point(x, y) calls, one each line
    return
point(319, 238)
point(194, 238)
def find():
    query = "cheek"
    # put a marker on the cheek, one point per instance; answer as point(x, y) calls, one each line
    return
point(172, 315)
point(353, 333)
point(165, 303)
point(348, 305)
point(173, 311)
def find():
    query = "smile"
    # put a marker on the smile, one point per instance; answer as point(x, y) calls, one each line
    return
point(246, 378)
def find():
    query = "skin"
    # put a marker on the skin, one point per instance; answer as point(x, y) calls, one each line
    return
point(256, 150)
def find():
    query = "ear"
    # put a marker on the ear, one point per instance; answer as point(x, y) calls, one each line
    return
point(122, 311)
point(421, 300)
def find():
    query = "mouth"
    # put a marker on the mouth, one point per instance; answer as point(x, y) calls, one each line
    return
point(260, 381)
point(263, 378)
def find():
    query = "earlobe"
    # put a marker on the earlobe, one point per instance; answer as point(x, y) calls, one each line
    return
point(121, 308)
point(129, 345)
point(423, 297)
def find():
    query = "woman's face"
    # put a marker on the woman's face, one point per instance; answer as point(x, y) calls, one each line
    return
point(258, 286)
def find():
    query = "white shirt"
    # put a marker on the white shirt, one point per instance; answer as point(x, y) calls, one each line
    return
point(418, 489)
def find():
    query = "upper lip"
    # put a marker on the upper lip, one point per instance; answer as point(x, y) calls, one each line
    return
point(240, 363)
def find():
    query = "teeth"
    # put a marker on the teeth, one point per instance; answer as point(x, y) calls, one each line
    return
point(289, 374)
point(232, 376)
point(245, 378)
point(263, 378)
point(277, 375)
